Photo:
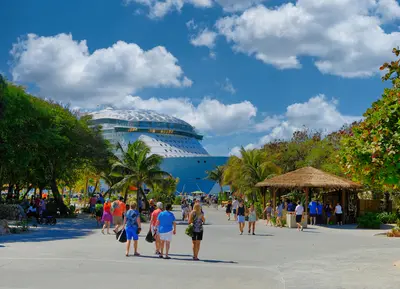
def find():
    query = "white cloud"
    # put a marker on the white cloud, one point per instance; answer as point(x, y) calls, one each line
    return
point(268, 123)
point(228, 86)
point(344, 36)
point(318, 113)
point(65, 70)
point(210, 115)
point(237, 5)
point(204, 38)
point(159, 8)
point(389, 9)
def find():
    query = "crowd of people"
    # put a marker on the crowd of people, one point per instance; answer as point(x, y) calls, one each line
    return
point(317, 212)
point(162, 222)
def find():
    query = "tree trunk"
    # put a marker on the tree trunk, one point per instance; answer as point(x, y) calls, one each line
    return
point(10, 191)
point(387, 199)
point(17, 190)
point(95, 186)
point(30, 187)
point(58, 197)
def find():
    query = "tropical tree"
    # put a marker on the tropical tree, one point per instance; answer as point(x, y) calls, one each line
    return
point(217, 175)
point(44, 144)
point(370, 151)
point(250, 168)
point(164, 191)
point(138, 167)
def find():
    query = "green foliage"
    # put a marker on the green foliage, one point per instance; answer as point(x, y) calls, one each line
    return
point(44, 144)
point(398, 223)
point(217, 175)
point(370, 151)
point(164, 190)
point(138, 167)
point(177, 200)
point(369, 221)
point(244, 172)
point(387, 218)
point(11, 212)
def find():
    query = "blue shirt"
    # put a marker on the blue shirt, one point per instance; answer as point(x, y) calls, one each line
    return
point(131, 218)
point(313, 208)
point(290, 207)
point(166, 220)
point(320, 208)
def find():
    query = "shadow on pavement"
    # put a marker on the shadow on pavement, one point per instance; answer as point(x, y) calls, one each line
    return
point(187, 259)
point(65, 229)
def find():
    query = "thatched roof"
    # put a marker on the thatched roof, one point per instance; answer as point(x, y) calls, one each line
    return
point(308, 177)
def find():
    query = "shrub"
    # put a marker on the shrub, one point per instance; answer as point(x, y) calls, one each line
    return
point(178, 200)
point(143, 218)
point(369, 221)
point(387, 218)
point(11, 212)
point(398, 223)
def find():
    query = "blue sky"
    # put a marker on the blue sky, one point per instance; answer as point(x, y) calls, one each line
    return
point(243, 72)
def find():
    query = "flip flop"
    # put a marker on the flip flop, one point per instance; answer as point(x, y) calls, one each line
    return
point(167, 257)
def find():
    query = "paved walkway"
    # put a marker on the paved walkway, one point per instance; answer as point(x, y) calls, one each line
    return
point(75, 254)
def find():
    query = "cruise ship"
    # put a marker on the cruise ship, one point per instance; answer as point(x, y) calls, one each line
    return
point(174, 139)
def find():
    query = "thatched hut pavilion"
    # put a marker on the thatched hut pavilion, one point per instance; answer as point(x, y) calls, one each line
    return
point(308, 178)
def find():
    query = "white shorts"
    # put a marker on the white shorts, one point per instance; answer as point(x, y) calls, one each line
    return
point(166, 236)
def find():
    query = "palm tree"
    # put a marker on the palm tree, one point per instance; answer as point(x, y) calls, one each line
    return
point(164, 191)
point(244, 172)
point(217, 175)
point(137, 167)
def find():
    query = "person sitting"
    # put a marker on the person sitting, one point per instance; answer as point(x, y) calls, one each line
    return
point(32, 212)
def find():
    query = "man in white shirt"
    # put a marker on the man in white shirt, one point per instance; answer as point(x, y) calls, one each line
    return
point(235, 205)
point(299, 215)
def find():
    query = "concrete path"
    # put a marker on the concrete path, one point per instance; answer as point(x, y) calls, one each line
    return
point(75, 254)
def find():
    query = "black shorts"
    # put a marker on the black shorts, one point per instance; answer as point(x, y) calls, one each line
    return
point(338, 217)
point(197, 236)
point(234, 211)
point(298, 218)
point(313, 215)
point(228, 211)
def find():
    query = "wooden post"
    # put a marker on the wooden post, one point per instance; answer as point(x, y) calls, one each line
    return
point(306, 202)
point(274, 199)
point(344, 209)
point(264, 192)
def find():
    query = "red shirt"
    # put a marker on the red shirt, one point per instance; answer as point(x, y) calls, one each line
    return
point(154, 216)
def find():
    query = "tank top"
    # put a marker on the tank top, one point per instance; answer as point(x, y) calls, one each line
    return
point(197, 223)
point(241, 211)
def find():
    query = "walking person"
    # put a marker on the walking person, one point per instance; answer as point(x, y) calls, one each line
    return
point(167, 227)
point(268, 210)
point(119, 209)
point(299, 210)
point(279, 214)
point(196, 218)
point(107, 217)
point(320, 208)
point(252, 219)
point(328, 213)
point(229, 210)
point(98, 212)
point(339, 214)
point(240, 216)
point(313, 206)
point(132, 228)
point(154, 227)
point(235, 205)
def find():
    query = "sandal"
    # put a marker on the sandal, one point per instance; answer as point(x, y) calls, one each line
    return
point(136, 254)
point(167, 257)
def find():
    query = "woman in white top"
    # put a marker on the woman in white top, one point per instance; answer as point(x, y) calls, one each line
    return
point(339, 214)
